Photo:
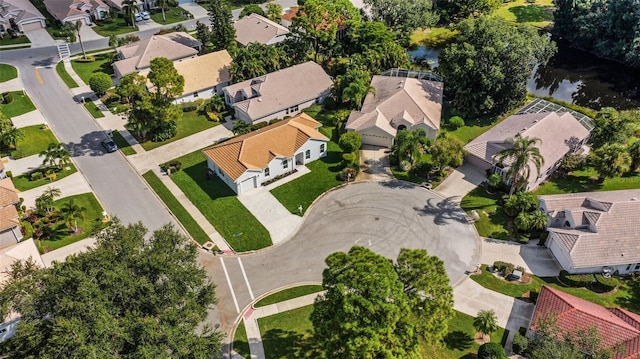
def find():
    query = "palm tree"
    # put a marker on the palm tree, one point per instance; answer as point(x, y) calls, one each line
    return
point(274, 12)
point(356, 92)
point(75, 27)
point(241, 128)
point(128, 7)
point(55, 155)
point(411, 144)
point(538, 220)
point(486, 322)
point(10, 137)
point(45, 200)
point(70, 213)
point(162, 4)
point(522, 154)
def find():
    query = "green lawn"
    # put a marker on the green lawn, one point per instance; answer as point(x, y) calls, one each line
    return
point(220, 205)
point(15, 48)
point(467, 133)
point(24, 182)
point(36, 139)
point(86, 69)
point(20, 105)
point(112, 26)
point(240, 341)
point(92, 215)
point(406, 176)
point(287, 294)
point(304, 190)
point(93, 109)
point(122, 144)
point(194, 229)
point(492, 219)
point(64, 75)
point(621, 296)
point(436, 37)
point(192, 122)
point(172, 15)
point(586, 180)
point(8, 40)
point(539, 14)
point(7, 72)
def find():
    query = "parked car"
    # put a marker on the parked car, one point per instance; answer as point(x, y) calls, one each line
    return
point(138, 17)
point(109, 145)
point(145, 15)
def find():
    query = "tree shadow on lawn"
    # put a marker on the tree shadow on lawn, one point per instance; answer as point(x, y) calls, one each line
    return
point(210, 184)
point(333, 160)
point(532, 13)
point(458, 340)
point(280, 344)
point(576, 183)
point(631, 302)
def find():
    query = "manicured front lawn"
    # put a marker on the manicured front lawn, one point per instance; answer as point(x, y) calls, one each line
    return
point(24, 182)
point(36, 139)
point(86, 69)
point(8, 40)
point(287, 294)
point(192, 122)
point(324, 176)
point(220, 205)
point(112, 26)
point(539, 14)
point(93, 109)
point(20, 105)
point(194, 229)
point(122, 144)
point(172, 15)
point(92, 215)
point(240, 341)
point(64, 75)
point(492, 218)
point(7, 72)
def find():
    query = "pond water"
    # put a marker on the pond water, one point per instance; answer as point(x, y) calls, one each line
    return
point(573, 76)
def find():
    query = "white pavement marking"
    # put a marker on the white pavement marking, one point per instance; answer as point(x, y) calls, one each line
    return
point(233, 294)
point(244, 274)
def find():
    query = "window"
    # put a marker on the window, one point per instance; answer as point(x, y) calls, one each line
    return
point(195, 94)
point(637, 266)
point(307, 154)
point(285, 163)
point(287, 112)
point(295, 108)
point(628, 267)
point(266, 172)
point(322, 148)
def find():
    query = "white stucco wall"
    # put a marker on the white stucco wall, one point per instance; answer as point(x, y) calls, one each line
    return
point(205, 93)
point(280, 113)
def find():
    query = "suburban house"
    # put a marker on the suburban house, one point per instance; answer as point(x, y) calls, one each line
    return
point(278, 94)
point(594, 232)
point(560, 134)
point(20, 16)
point(398, 103)
point(618, 329)
point(74, 10)
point(8, 256)
point(204, 76)
point(246, 162)
point(256, 28)
point(291, 13)
point(136, 56)
point(10, 232)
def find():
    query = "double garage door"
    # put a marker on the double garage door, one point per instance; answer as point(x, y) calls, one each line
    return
point(374, 140)
point(31, 26)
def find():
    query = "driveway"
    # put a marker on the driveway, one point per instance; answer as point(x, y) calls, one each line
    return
point(40, 38)
point(196, 10)
point(534, 258)
point(374, 164)
point(88, 34)
point(68, 186)
point(460, 182)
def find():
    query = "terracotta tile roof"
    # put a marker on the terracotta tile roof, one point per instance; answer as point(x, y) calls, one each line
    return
point(608, 231)
point(615, 326)
point(8, 195)
point(256, 149)
point(256, 28)
point(399, 98)
point(8, 218)
point(204, 71)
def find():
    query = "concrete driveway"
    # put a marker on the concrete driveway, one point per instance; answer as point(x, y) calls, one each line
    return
point(40, 38)
point(534, 258)
point(460, 182)
point(196, 10)
point(374, 164)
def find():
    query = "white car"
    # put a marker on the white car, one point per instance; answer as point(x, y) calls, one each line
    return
point(145, 15)
point(138, 17)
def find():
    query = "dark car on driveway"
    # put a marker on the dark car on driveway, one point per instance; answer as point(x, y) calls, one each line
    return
point(109, 145)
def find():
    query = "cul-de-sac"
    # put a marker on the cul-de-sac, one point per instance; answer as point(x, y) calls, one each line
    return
point(338, 179)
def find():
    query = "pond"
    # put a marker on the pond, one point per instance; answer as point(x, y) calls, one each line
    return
point(573, 76)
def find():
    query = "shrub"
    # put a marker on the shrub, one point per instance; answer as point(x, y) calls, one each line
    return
point(100, 83)
point(35, 176)
point(7, 97)
point(188, 106)
point(504, 267)
point(606, 284)
point(330, 103)
point(495, 180)
point(173, 165)
point(349, 159)
point(456, 122)
point(114, 97)
point(27, 229)
point(9, 174)
point(520, 343)
point(348, 173)
point(259, 125)
point(89, 58)
point(350, 141)
point(212, 116)
point(422, 169)
point(576, 280)
point(490, 351)
point(543, 238)
point(165, 132)
point(405, 165)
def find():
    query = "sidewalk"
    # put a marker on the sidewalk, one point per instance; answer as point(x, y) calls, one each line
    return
point(12, 85)
point(59, 255)
point(23, 165)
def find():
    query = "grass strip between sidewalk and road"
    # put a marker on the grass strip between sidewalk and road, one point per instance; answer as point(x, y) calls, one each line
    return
point(93, 109)
point(64, 75)
point(241, 342)
point(190, 224)
point(287, 294)
point(122, 144)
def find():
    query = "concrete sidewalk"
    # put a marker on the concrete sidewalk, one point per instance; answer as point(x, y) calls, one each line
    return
point(69, 186)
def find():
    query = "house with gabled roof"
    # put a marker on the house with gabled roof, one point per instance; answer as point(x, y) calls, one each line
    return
point(257, 28)
point(74, 10)
point(10, 232)
point(245, 162)
point(20, 15)
point(396, 104)
point(278, 94)
point(204, 75)
point(618, 329)
point(560, 134)
point(594, 232)
point(137, 56)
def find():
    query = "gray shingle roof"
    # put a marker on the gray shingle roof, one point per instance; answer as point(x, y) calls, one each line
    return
point(256, 28)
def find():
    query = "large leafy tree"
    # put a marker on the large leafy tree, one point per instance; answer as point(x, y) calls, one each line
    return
point(274, 12)
point(446, 151)
point(167, 82)
point(403, 15)
point(486, 70)
point(132, 87)
point(521, 156)
point(258, 59)
point(375, 46)
point(133, 296)
point(610, 128)
point(223, 34)
point(462, 9)
point(410, 145)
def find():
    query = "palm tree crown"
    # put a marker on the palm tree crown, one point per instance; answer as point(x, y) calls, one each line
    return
point(523, 153)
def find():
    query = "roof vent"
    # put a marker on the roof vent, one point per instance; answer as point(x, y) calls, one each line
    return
point(259, 100)
point(634, 198)
point(535, 121)
point(524, 129)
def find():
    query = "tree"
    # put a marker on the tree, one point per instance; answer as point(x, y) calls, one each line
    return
point(490, 351)
point(240, 128)
point(553, 342)
point(11, 136)
point(257, 59)
point(167, 82)
point(611, 160)
point(274, 12)
point(486, 322)
point(356, 91)
point(365, 312)
point(634, 153)
point(163, 4)
point(223, 34)
point(403, 15)
point(71, 212)
point(55, 155)
point(428, 290)
point(609, 128)
point(571, 162)
point(350, 142)
point(374, 47)
point(132, 87)
point(44, 203)
point(128, 7)
point(203, 34)
point(459, 10)
point(100, 82)
point(410, 145)
point(522, 154)
point(519, 202)
point(251, 9)
point(131, 296)
point(446, 151)
point(75, 28)
point(538, 220)
point(486, 70)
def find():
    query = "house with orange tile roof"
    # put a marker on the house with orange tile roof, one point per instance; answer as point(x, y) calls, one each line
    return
point(618, 329)
point(594, 232)
point(245, 162)
point(204, 75)
point(10, 232)
point(293, 12)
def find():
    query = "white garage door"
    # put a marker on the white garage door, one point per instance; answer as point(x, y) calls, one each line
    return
point(31, 26)
point(374, 140)
point(247, 185)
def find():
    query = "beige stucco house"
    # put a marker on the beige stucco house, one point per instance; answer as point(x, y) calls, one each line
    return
point(20, 15)
point(74, 10)
point(257, 28)
point(204, 76)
